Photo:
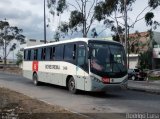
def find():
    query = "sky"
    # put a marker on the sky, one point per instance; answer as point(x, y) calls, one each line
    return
point(28, 15)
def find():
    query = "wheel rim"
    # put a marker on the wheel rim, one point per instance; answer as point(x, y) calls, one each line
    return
point(35, 79)
point(35, 82)
point(133, 77)
point(72, 85)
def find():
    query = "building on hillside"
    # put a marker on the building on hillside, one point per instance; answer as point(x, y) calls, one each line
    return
point(147, 42)
point(156, 57)
point(32, 42)
point(139, 42)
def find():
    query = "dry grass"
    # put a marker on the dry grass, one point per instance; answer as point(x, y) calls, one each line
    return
point(24, 107)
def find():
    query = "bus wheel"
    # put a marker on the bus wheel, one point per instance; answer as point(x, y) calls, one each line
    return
point(35, 79)
point(71, 86)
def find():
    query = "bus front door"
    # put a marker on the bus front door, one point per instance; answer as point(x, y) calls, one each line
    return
point(81, 62)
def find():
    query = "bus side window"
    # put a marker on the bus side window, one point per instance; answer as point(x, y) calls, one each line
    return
point(32, 55)
point(59, 53)
point(74, 52)
point(52, 53)
point(81, 59)
point(35, 54)
point(39, 53)
point(43, 53)
point(24, 56)
point(29, 55)
point(70, 52)
point(47, 57)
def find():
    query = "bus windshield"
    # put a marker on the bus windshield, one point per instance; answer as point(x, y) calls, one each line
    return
point(108, 60)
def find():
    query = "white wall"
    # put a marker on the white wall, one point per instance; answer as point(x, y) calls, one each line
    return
point(133, 61)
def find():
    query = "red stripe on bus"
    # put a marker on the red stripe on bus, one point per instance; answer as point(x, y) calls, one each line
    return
point(35, 66)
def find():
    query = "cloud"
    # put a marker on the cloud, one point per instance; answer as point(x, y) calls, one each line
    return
point(14, 14)
point(36, 2)
point(5, 2)
point(26, 14)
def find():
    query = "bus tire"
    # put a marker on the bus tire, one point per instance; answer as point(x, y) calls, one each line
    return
point(71, 86)
point(35, 79)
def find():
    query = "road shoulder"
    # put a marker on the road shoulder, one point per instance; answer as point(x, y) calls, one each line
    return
point(145, 86)
point(14, 104)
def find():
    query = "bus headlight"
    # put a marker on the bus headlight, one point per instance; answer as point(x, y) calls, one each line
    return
point(95, 79)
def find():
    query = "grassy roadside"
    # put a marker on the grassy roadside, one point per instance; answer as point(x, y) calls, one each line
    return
point(153, 78)
point(19, 106)
point(12, 70)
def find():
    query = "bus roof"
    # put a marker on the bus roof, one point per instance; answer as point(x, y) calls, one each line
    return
point(70, 41)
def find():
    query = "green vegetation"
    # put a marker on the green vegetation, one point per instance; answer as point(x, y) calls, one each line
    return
point(7, 34)
point(153, 78)
point(150, 15)
point(145, 60)
point(19, 58)
point(81, 16)
point(109, 13)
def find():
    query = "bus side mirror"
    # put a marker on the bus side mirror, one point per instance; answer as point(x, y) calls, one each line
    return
point(74, 52)
point(89, 53)
point(73, 55)
point(89, 56)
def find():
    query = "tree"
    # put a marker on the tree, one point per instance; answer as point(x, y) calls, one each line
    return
point(19, 58)
point(144, 61)
point(150, 15)
point(154, 3)
point(57, 36)
point(81, 15)
point(112, 14)
point(7, 34)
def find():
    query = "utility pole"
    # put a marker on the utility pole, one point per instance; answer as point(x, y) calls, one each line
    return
point(83, 18)
point(45, 22)
point(125, 20)
point(128, 47)
point(5, 45)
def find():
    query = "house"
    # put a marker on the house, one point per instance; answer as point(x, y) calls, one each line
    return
point(32, 42)
point(156, 51)
point(139, 42)
point(147, 42)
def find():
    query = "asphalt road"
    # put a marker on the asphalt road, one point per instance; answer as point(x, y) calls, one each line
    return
point(92, 104)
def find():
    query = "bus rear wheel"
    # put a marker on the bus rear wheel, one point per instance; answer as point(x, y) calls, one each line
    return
point(35, 79)
point(72, 86)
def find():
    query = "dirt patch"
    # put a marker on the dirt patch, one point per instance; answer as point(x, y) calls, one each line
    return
point(18, 106)
point(12, 70)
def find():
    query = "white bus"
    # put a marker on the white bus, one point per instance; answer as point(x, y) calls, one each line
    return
point(78, 64)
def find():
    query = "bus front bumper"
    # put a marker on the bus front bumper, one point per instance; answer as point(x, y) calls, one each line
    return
point(117, 86)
